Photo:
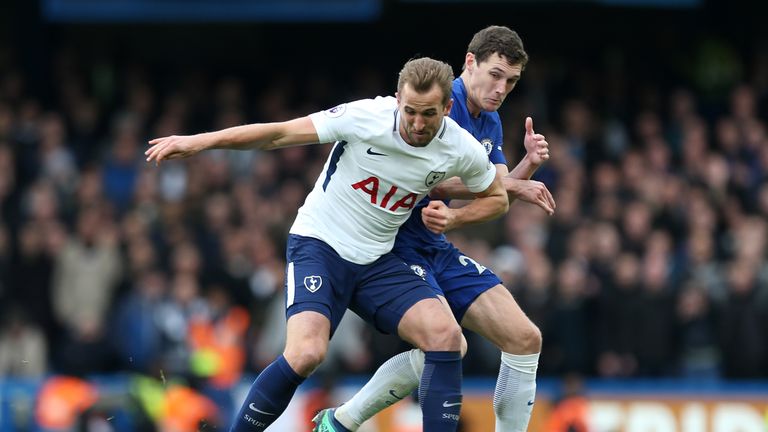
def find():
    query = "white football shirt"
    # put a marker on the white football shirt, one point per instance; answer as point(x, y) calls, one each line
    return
point(373, 178)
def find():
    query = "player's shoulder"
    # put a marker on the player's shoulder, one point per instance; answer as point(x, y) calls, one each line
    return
point(490, 131)
point(456, 134)
point(459, 96)
point(364, 117)
point(490, 121)
point(457, 88)
point(377, 104)
point(372, 107)
point(380, 109)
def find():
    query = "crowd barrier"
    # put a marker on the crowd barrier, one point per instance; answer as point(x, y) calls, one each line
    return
point(599, 405)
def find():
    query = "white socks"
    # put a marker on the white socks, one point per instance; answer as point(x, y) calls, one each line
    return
point(515, 392)
point(397, 378)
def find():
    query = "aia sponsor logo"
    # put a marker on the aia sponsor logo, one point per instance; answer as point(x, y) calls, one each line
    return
point(371, 187)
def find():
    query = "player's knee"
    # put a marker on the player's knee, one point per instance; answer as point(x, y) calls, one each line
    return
point(444, 335)
point(463, 346)
point(304, 358)
point(530, 339)
point(525, 339)
point(307, 361)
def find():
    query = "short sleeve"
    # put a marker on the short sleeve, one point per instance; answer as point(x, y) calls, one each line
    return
point(477, 171)
point(345, 122)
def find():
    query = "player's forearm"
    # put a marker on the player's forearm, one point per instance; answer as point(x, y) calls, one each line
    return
point(490, 205)
point(452, 188)
point(513, 182)
point(253, 136)
point(266, 136)
point(524, 169)
point(480, 210)
point(514, 187)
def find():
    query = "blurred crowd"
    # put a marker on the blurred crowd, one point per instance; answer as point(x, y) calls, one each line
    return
point(654, 263)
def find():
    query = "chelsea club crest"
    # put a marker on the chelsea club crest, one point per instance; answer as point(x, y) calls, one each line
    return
point(487, 144)
point(419, 270)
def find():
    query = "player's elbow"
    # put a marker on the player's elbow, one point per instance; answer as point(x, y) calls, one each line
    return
point(268, 145)
point(511, 197)
point(505, 203)
point(269, 136)
point(498, 194)
point(438, 192)
point(496, 204)
point(502, 204)
point(277, 139)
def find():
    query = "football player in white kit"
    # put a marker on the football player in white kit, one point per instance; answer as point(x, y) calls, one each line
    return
point(390, 153)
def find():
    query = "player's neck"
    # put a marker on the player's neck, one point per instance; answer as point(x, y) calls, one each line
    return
point(473, 109)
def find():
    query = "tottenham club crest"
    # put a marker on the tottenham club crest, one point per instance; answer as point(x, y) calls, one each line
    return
point(419, 270)
point(487, 144)
point(434, 178)
point(313, 283)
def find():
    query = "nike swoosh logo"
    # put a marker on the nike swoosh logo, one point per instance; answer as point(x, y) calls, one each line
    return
point(253, 407)
point(530, 403)
point(371, 152)
point(394, 395)
point(448, 405)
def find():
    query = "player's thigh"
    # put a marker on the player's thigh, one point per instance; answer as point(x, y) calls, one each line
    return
point(317, 280)
point(495, 315)
point(389, 289)
point(462, 279)
point(430, 326)
point(307, 337)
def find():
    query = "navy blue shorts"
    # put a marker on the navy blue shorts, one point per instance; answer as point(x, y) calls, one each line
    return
point(457, 277)
point(318, 279)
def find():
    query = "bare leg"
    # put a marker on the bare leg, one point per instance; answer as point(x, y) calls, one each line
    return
point(496, 315)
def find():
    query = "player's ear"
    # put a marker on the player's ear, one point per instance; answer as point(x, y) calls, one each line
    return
point(397, 96)
point(448, 107)
point(469, 61)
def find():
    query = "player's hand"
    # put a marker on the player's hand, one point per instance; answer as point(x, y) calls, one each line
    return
point(536, 145)
point(174, 147)
point(437, 217)
point(531, 191)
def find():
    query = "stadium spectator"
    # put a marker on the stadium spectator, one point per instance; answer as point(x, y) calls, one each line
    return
point(86, 274)
point(23, 346)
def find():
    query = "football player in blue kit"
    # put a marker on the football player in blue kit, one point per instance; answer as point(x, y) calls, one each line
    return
point(389, 153)
point(493, 64)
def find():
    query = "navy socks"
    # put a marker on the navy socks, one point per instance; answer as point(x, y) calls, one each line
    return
point(268, 397)
point(440, 391)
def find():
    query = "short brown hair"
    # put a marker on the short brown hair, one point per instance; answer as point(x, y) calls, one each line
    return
point(424, 73)
point(501, 40)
